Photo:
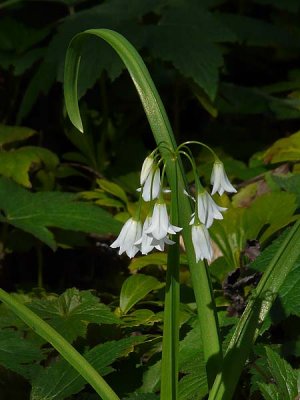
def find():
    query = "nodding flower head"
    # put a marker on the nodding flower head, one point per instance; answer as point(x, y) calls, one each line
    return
point(129, 235)
point(152, 185)
point(150, 179)
point(160, 224)
point(207, 209)
point(147, 242)
point(146, 169)
point(219, 180)
point(201, 242)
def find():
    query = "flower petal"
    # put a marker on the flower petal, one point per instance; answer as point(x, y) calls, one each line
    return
point(146, 168)
point(219, 180)
point(201, 242)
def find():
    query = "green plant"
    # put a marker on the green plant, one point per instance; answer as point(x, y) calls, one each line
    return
point(257, 308)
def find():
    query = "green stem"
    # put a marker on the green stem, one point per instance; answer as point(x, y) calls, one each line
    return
point(169, 366)
point(61, 345)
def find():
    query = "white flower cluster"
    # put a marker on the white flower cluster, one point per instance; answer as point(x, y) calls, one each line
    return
point(157, 227)
point(155, 231)
point(207, 210)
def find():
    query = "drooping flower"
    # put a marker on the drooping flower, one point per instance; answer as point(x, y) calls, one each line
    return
point(160, 224)
point(145, 241)
point(201, 242)
point(219, 180)
point(160, 244)
point(146, 168)
point(151, 187)
point(207, 209)
point(129, 235)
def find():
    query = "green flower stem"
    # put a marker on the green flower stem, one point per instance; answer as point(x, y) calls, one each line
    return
point(169, 365)
point(74, 358)
point(256, 311)
point(164, 137)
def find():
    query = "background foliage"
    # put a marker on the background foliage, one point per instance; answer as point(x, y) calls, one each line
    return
point(228, 74)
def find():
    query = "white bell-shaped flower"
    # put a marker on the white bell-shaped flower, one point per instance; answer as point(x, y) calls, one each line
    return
point(201, 242)
point(219, 180)
point(207, 209)
point(151, 188)
point(145, 241)
point(146, 168)
point(129, 235)
point(160, 244)
point(160, 224)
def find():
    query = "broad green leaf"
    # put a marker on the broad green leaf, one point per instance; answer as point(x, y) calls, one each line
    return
point(109, 202)
point(289, 295)
point(272, 375)
point(141, 317)
point(142, 396)
point(288, 301)
point(135, 288)
point(36, 212)
point(289, 183)
point(256, 32)
point(15, 36)
point(60, 380)
point(102, 199)
point(188, 26)
point(236, 99)
point(230, 235)
point(151, 378)
point(272, 210)
point(239, 99)
point(247, 329)
point(286, 149)
point(16, 42)
point(244, 197)
point(18, 354)
point(16, 164)
point(193, 386)
point(10, 134)
point(191, 364)
point(115, 14)
point(284, 376)
point(113, 188)
point(71, 312)
point(41, 82)
point(268, 391)
point(152, 259)
point(73, 357)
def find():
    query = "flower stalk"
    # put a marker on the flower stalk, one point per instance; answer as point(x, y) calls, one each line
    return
point(163, 134)
point(170, 347)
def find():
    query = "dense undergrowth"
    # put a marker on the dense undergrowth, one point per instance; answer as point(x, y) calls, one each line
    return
point(227, 72)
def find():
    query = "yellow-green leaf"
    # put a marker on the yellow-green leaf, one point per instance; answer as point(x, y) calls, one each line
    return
point(10, 134)
point(16, 164)
point(135, 288)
